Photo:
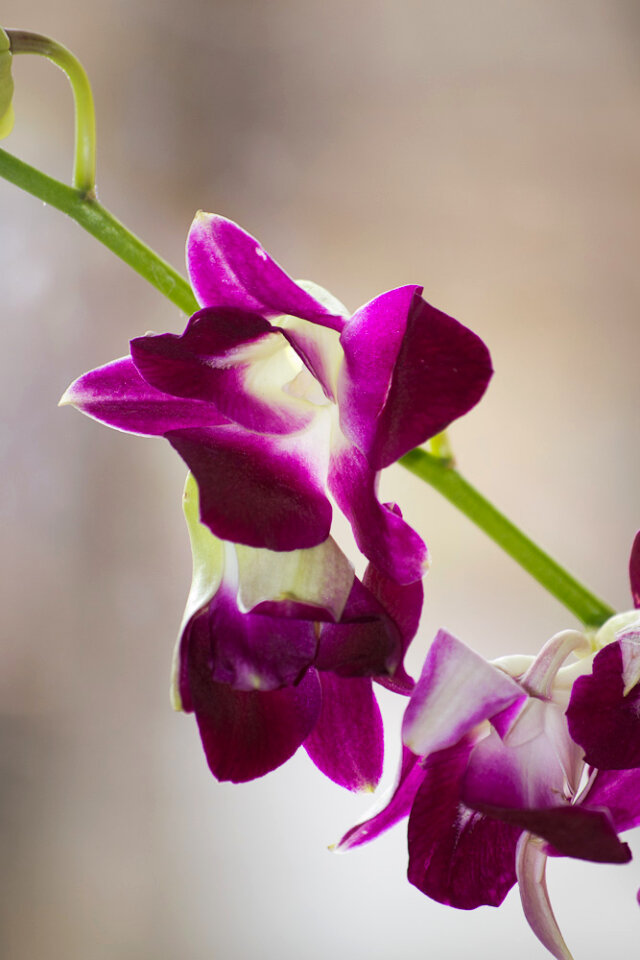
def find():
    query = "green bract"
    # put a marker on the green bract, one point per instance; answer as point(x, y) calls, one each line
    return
point(6, 86)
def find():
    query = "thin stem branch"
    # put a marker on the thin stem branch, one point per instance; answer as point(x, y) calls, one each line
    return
point(91, 215)
point(84, 168)
point(554, 578)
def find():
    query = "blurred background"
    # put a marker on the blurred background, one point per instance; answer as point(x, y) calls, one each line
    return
point(490, 151)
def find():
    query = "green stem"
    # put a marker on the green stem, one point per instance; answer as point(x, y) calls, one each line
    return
point(435, 470)
point(447, 481)
point(91, 215)
point(84, 168)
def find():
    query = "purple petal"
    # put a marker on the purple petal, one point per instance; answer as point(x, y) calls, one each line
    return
point(410, 370)
point(229, 268)
point(248, 734)
point(117, 395)
point(531, 862)
point(570, 831)
point(247, 651)
point(456, 855)
point(403, 603)
point(347, 742)
point(604, 721)
point(619, 793)
point(365, 643)
point(233, 360)
point(259, 491)
point(529, 767)
point(382, 536)
point(378, 623)
point(634, 570)
point(397, 807)
point(456, 690)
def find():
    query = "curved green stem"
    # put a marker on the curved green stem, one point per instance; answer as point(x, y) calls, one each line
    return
point(554, 578)
point(103, 225)
point(435, 470)
point(84, 168)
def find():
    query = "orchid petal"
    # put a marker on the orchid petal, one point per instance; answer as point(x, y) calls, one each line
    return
point(235, 361)
point(634, 570)
point(456, 855)
point(570, 831)
point(208, 556)
point(396, 806)
point(528, 766)
point(365, 643)
point(457, 690)
point(318, 579)
point(248, 651)
point(347, 742)
point(409, 371)
point(381, 534)
point(247, 734)
point(603, 716)
point(530, 866)
point(618, 791)
point(259, 491)
point(229, 268)
point(376, 627)
point(118, 396)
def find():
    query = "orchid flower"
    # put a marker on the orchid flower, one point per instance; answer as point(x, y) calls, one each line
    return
point(277, 399)
point(278, 651)
point(507, 763)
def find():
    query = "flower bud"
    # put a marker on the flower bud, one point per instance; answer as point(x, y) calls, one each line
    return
point(6, 86)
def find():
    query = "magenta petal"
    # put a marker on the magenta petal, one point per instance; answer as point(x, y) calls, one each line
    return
point(252, 652)
point(571, 831)
point(214, 360)
point(256, 490)
point(229, 268)
point(526, 773)
point(634, 570)
point(456, 690)
point(397, 807)
point(247, 734)
point(457, 856)
point(117, 395)
point(347, 742)
point(378, 623)
point(619, 792)
point(371, 342)
point(366, 642)
point(604, 721)
point(381, 534)
point(403, 603)
point(410, 370)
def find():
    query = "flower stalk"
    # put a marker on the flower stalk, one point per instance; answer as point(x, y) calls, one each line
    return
point(435, 471)
point(101, 224)
point(84, 168)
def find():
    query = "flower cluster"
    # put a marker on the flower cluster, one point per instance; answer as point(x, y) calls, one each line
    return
point(507, 763)
point(278, 401)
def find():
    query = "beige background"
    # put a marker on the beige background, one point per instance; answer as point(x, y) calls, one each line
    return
point(488, 150)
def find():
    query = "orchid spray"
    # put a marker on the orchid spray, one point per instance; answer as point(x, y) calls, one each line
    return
point(285, 408)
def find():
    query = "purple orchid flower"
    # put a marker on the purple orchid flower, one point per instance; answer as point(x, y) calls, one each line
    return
point(276, 398)
point(508, 763)
point(279, 650)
